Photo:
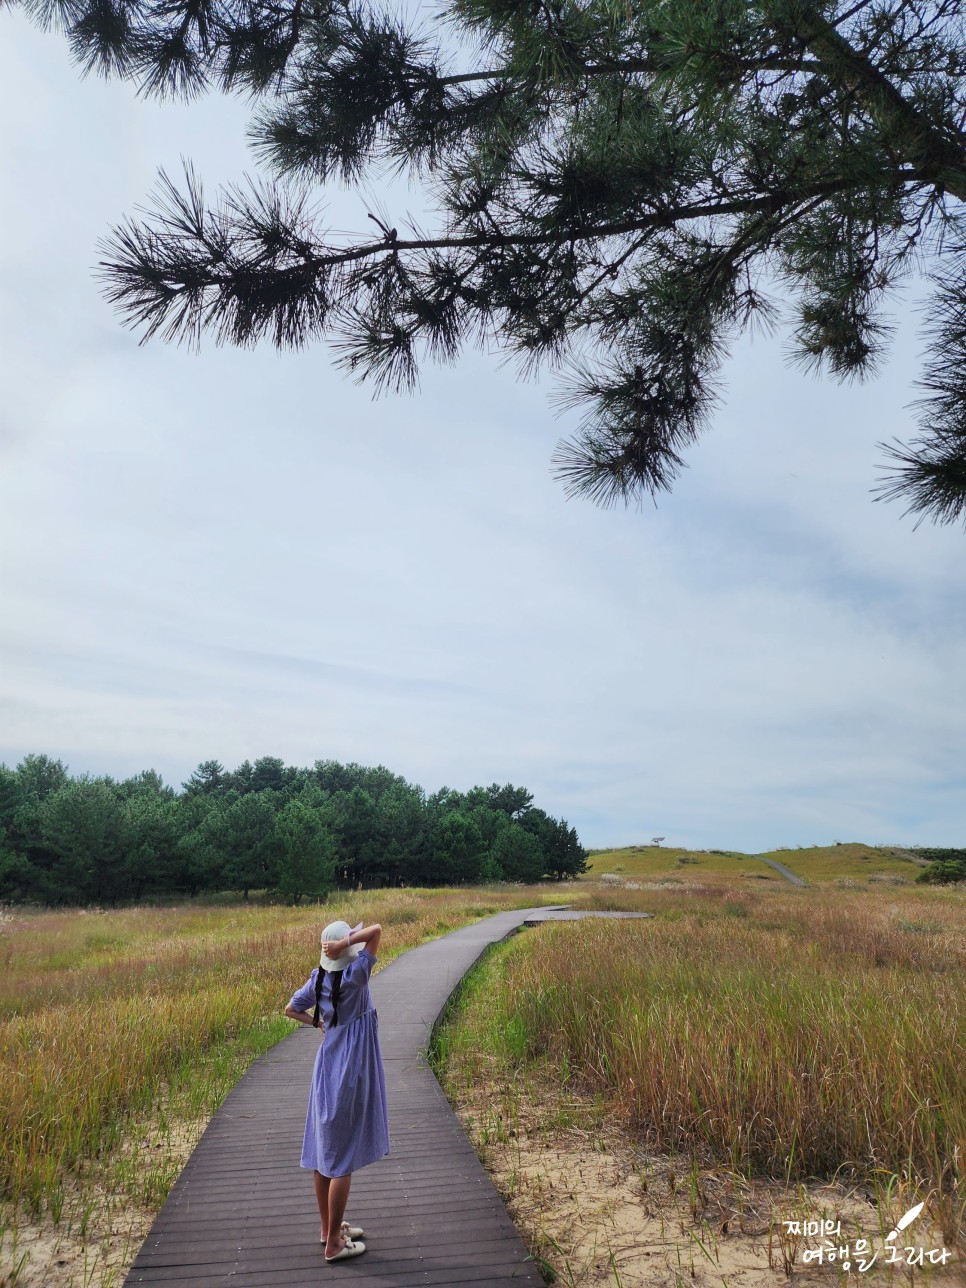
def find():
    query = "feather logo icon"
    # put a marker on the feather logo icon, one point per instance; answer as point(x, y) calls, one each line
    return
point(908, 1219)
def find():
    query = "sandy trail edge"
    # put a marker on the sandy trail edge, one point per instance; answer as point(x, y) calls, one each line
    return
point(600, 1210)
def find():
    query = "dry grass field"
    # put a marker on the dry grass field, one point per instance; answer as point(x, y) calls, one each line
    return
point(749, 1031)
point(120, 1034)
point(751, 1053)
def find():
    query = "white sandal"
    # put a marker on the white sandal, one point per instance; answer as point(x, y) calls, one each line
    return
point(349, 1231)
point(351, 1249)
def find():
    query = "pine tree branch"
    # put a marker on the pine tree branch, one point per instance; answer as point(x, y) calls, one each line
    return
point(639, 67)
point(850, 13)
point(130, 243)
point(936, 157)
point(609, 178)
point(932, 479)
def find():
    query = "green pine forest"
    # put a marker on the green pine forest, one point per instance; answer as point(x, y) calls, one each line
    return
point(295, 833)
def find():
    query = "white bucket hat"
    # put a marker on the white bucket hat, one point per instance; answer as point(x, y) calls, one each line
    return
point(339, 930)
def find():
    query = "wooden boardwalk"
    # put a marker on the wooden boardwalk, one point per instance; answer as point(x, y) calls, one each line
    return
point(537, 916)
point(243, 1214)
point(780, 867)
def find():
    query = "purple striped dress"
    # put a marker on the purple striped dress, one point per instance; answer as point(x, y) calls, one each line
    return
point(347, 1124)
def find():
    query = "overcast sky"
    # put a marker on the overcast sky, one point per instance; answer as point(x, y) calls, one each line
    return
point(237, 554)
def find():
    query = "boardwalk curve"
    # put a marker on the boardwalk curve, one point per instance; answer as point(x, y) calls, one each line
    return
point(780, 867)
point(243, 1214)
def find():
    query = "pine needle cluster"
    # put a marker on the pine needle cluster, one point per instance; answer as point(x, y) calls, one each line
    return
point(622, 188)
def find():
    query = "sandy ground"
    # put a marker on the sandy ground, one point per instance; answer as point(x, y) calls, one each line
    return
point(592, 1206)
point(99, 1232)
point(599, 1211)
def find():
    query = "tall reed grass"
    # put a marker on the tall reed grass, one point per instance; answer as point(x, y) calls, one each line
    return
point(102, 1012)
point(793, 1035)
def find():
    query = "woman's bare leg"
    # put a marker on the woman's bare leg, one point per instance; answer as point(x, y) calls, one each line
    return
point(338, 1198)
point(322, 1198)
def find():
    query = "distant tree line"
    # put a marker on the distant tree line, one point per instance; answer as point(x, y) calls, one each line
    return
point(264, 826)
point(945, 866)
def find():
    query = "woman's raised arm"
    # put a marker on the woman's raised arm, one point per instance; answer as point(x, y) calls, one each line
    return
point(368, 935)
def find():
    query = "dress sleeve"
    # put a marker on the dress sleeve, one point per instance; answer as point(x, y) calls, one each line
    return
point(304, 999)
point(362, 966)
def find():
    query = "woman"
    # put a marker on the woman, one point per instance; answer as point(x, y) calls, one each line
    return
point(347, 1125)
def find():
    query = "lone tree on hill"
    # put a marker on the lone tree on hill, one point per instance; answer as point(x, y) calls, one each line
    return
point(618, 186)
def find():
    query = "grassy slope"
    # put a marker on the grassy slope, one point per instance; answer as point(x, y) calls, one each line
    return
point(819, 865)
point(655, 863)
point(824, 863)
